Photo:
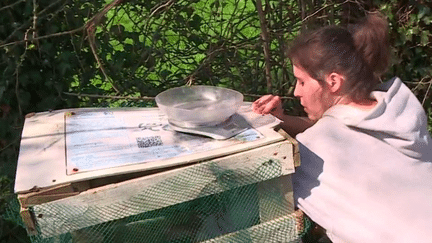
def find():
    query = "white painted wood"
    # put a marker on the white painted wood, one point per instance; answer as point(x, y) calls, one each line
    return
point(42, 159)
point(164, 189)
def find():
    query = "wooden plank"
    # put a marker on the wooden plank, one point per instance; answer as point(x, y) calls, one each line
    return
point(42, 159)
point(28, 220)
point(44, 195)
point(282, 229)
point(296, 151)
point(164, 189)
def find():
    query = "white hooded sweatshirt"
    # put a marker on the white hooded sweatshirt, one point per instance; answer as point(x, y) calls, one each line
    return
point(366, 176)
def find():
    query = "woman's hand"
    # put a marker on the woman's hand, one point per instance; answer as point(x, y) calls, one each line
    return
point(268, 104)
point(271, 104)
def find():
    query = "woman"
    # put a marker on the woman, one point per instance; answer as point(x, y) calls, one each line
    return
point(366, 154)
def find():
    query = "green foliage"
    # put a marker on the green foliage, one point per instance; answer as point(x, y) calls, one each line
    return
point(411, 26)
point(12, 233)
point(34, 76)
point(35, 73)
point(199, 42)
point(5, 192)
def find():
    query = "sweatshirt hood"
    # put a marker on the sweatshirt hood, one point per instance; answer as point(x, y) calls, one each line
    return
point(397, 119)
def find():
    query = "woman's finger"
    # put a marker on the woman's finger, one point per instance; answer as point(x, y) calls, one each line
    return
point(274, 104)
point(259, 105)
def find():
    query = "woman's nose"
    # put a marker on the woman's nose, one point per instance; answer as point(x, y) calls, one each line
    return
point(297, 91)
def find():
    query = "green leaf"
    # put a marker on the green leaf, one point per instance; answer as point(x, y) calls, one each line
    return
point(63, 68)
point(427, 20)
point(196, 22)
point(24, 79)
point(423, 10)
point(189, 11)
point(117, 29)
point(65, 56)
point(156, 36)
point(2, 90)
point(425, 37)
point(195, 39)
point(31, 47)
point(165, 73)
point(215, 4)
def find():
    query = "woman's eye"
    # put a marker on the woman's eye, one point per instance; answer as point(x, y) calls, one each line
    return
point(299, 83)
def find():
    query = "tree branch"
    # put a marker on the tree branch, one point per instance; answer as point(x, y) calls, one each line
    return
point(91, 29)
point(110, 96)
point(118, 97)
point(162, 6)
point(95, 20)
point(427, 92)
point(12, 4)
point(258, 96)
point(266, 45)
point(45, 36)
point(26, 24)
point(17, 90)
point(324, 7)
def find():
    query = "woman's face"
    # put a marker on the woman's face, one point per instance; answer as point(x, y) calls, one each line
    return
point(313, 96)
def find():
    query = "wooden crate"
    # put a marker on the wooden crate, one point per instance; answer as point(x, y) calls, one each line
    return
point(46, 183)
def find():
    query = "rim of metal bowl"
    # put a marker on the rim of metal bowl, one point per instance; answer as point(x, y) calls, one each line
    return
point(158, 96)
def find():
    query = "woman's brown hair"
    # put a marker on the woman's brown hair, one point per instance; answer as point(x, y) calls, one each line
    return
point(360, 53)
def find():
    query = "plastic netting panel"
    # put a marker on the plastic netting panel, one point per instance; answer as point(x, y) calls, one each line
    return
point(226, 208)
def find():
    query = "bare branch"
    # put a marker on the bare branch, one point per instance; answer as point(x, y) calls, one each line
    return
point(48, 7)
point(17, 90)
point(11, 5)
point(25, 25)
point(91, 29)
point(45, 36)
point(92, 43)
point(258, 96)
point(266, 45)
point(427, 92)
point(110, 96)
point(118, 97)
point(17, 139)
point(324, 7)
point(94, 20)
point(35, 18)
point(161, 7)
point(34, 15)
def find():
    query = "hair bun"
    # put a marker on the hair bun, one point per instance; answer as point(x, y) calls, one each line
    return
point(371, 40)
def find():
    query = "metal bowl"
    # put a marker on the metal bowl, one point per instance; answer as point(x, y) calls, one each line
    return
point(198, 106)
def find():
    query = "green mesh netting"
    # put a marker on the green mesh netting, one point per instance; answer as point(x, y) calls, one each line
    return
point(227, 207)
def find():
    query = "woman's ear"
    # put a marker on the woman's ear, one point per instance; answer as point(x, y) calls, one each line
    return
point(335, 82)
